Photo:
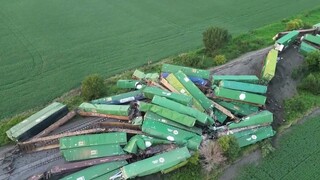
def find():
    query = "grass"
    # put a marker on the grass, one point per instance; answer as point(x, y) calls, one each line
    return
point(48, 47)
point(297, 157)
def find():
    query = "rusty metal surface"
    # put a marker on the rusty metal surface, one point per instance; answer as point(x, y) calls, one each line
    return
point(82, 164)
point(118, 125)
point(129, 131)
point(92, 114)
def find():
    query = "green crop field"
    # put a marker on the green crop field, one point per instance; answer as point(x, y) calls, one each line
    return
point(48, 47)
point(297, 157)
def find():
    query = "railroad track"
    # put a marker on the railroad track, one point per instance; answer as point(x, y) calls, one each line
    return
point(8, 160)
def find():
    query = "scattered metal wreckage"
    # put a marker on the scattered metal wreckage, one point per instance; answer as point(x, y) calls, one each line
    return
point(158, 123)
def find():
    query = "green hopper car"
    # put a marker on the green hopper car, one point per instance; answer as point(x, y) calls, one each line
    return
point(92, 140)
point(270, 64)
point(149, 76)
point(253, 88)
point(152, 116)
point(239, 96)
point(179, 136)
point(97, 171)
point(169, 114)
point(123, 98)
point(90, 152)
point(150, 92)
point(37, 122)
point(168, 68)
point(201, 117)
point(155, 164)
point(263, 117)
point(286, 41)
point(305, 48)
point(247, 137)
point(194, 91)
point(239, 78)
point(118, 110)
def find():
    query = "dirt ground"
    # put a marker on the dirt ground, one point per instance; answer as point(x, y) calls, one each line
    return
point(280, 88)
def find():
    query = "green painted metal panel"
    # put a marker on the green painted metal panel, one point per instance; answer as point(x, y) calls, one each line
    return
point(168, 68)
point(263, 117)
point(152, 116)
point(239, 108)
point(120, 98)
point(120, 110)
point(219, 116)
point(130, 84)
point(241, 78)
point(167, 113)
point(255, 135)
point(93, 139)
point(200, 116)
point(270, 64)
point(239, 96)
point(149, 92)
point(288, 38)
point(155, 164)
point(174, 134)
point(142, 142)
point(90, 152)
point(172, 79)
point(107, 175)
point(149, 76)
point(37, 119)
point(195, 92)
point(306, 48)
point(254, 88)
point(96, 171)
point(313, 39)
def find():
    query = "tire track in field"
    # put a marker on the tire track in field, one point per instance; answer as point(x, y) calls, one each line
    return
point(37, 59)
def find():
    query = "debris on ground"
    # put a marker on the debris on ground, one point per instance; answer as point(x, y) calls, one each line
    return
point(162, 119)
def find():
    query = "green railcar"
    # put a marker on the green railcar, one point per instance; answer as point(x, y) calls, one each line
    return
point(155, 164)
point(142, 142)
point(248, 137)
point(174, 134)
point(149, 76)
point(269, 67)
point(92, 140)
point(129, 84)
point(150, 92)
point(123, 98)
point(90, 152)
point(194, 91)
point(118, 110)
point(169, 114)
point(37, 122)
point(312, 39)
point(239, 78)
point(305, 48)
point(286, 40)
point(253, 88)
point(168, 68)
point(172, 79)
point(201, 117)
point(239, 108)
point(152, 116)
point(263, 117)
point(97, 171)
point(240, 96)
